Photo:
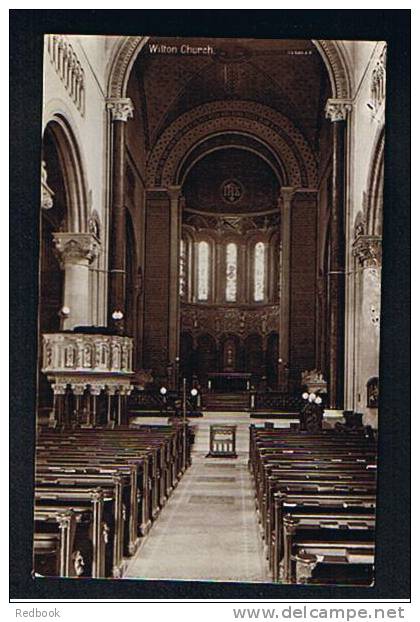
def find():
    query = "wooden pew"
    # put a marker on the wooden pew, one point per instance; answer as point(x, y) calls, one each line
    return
point(121, 494)
point(132, 472)
point(320, 475)
point(54, 534)
point(78, 500)
point(304, 530)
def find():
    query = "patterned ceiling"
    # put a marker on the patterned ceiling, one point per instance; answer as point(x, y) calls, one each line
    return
point(287, 75)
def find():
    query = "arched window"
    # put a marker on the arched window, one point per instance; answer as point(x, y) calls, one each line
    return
point(231, 271)
point(259, 272)
point(203, 270)
point(183, 263)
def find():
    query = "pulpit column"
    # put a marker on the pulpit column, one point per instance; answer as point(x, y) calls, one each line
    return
point(285, 203)
point(121, 110)
point(75, 252)
point(175, 198)
point(337, 111)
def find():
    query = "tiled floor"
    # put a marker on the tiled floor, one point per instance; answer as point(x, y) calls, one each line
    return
point(208, 530)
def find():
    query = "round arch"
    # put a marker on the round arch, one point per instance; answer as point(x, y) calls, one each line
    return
point(129, 47)
point(375, 184)
point(249, 119)
point(230, 141)
point(72, 171)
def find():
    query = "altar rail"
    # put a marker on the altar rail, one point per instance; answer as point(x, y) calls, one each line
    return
point(274, 401)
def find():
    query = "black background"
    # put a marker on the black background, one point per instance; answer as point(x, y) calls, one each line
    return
point(27, 28)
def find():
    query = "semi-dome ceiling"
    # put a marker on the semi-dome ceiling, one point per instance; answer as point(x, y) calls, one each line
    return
point(231, 181)
point(287, 75)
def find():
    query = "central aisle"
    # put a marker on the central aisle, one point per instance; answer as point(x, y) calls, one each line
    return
point(208, 530)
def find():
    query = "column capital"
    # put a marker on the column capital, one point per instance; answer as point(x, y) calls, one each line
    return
point(287, 193)
point(174, 192)
point(78, 389)
point(75, 248)
point(59, 388)
point(368, 250)
point(121, 109)
point(337, 109)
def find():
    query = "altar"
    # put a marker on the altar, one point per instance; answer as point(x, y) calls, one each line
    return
point(228, 381)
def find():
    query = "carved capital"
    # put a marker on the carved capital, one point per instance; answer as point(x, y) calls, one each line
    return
point(46, 193)
point(121, 109)
point(368, 250)
point(337, 109)
point(96, 389)
point(287, 194)
point(59, 388)
point(78, 389)
point(174, 193)
point(75, 248)
point(112, 389)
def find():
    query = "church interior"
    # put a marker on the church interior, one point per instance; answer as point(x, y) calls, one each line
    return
point(209, 311)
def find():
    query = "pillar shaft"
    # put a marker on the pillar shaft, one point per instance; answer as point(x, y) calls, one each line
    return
point(337, 111)
point(121, 111)
point(284, 328)
point(174, 303)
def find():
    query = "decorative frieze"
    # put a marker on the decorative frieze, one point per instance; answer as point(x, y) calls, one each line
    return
point(75, 248)
point(231, 223)
point(219, 320)
point(121, 109)
point(79, 352)
point(46, 193)
point(337, 109)
point(68, 68)
point(368, 250)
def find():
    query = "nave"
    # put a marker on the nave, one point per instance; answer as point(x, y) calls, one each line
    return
point(227, 262)
point(296, 504)
point(209, 529)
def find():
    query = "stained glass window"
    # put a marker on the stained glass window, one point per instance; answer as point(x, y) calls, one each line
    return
point(259, 272)
point(231, 271)
point(203, 270)
point(183, 269)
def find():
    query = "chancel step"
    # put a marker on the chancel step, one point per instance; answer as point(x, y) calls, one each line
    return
point(226, 402)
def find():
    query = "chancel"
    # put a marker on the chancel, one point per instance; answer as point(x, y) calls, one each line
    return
point(209, 314)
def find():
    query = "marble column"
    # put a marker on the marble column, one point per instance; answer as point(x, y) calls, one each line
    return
point(285, 203)
point(121, 110)
point(175, 198)
point(75, 252)
point(337, 110)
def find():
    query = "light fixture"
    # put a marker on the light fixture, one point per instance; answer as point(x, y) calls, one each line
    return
point(117, 315)
point(318, 400)
point(312, 397)
point(163, 390)
point(194, 392)
point(65, 311)
point(305, 395)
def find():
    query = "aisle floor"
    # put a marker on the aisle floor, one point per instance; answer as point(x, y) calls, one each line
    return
point(208, 530)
